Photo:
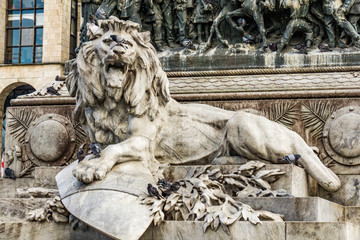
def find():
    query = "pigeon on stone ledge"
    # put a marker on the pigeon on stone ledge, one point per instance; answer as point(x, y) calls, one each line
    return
point(291, 159)
point(247, 38)
point(10, 173)
point(51, 90)
point(324, 48)
point(152, 191)
point(273, 47)
point(81, 155)
point(301, 47)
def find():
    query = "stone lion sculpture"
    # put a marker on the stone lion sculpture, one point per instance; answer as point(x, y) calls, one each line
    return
point(123, 99)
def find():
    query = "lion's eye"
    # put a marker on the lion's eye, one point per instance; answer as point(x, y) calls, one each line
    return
point(107, 40)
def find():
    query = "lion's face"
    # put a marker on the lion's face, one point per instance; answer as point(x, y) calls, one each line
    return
point(118, 57)
point(116, 74)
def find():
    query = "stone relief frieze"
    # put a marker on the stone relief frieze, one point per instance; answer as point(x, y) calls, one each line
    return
point(237, 24)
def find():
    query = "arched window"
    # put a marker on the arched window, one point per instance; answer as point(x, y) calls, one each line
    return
point(25, 20)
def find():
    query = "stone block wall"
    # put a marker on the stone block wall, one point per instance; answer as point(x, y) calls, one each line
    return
point(56, 41)
point(3, 5)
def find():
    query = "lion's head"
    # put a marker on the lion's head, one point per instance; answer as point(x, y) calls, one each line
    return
point(116, 73)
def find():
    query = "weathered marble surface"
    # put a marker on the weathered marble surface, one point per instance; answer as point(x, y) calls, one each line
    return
point(299, 208)
point(348, 194)
point(109, 205)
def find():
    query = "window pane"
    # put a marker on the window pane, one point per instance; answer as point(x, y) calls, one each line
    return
point(73, 7)
point(40, 17)
point(27, 37)
point(38, 54)
point(39, 36)
point(12, 55)
point(13, 37)
point(73, 26)
point(28, 4)
point(14, 4)
point(40, 3)
point(13, 19)
point(27, 18)
point(26, 54)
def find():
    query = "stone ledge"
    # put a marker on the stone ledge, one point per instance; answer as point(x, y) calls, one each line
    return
point(299, 209)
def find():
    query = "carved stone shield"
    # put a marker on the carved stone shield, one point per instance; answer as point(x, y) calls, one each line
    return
point(111, 206)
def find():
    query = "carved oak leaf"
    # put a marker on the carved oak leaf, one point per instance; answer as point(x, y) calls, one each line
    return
point(315, 115)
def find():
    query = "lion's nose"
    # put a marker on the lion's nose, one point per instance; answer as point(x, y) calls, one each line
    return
point(118, 50)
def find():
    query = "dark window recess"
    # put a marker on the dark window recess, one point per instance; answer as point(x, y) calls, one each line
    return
point(73, 29)
point(25, 20)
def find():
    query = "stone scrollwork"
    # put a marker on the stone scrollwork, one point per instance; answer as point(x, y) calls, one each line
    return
point(341, 135)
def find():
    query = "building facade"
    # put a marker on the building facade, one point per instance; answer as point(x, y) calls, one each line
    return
point(37, 37)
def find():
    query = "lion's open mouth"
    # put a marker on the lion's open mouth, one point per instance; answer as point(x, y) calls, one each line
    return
point(115, 72)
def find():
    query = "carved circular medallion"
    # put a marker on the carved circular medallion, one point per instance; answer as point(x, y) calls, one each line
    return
point(50, 140)
point(342, 135)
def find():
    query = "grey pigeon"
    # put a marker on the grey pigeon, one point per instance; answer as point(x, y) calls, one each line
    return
point(301, 47)
point(95, 149)
point(241, 22)
point(52, 90)
point(291, 159)
point(10, 173)
point(247, 38)
point(188, 44)
point(152, 191)
point(81, 154)
point(324, 48)
point(273, 47)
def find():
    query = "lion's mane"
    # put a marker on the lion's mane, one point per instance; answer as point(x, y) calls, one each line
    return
point(102, 107)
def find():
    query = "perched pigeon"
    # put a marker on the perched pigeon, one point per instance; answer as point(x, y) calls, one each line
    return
point(52, 90)
point(301, 47)
point(95, 149)
point(324, 48)
point(273, 47)
point(152, 191)
point(117, 39)
point(175, 186)
point(81, 155)
point(241, 22)
point(188, 44)
point(10, 173)
point(164, 183)
point(247, 38)
point(291, 159)
point(101, 14)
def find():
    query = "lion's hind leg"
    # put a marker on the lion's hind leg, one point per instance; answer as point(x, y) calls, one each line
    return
point(255, 137)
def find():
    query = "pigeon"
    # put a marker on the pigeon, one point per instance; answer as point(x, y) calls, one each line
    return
point(152, 191)
point(164, 183)
point(301, 47)
point(324, 48)
point(188, 44)
point(291, 159)
point(52, 91)
point(247, 38)
point(95, 149)
point(101, 14)
point(175, 186)
point(273, 47)
point(10, 173)
point(81, 155)
point(117, 39)
point(241, 22)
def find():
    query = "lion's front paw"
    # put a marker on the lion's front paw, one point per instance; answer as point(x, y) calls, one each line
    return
point(88, 171)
